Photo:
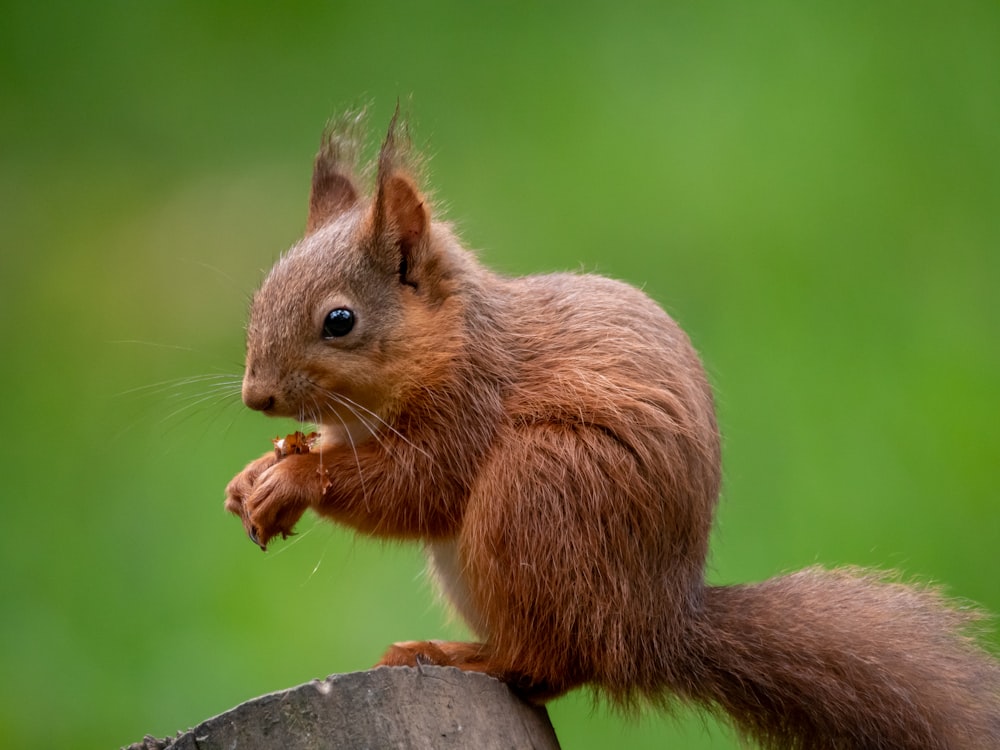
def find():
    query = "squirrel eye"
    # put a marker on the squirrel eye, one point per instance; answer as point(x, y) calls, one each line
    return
point(338, 323)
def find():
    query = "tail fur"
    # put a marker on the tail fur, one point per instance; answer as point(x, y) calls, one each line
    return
point(845, 659)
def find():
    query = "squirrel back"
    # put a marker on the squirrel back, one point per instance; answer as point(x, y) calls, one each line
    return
point(552, 441)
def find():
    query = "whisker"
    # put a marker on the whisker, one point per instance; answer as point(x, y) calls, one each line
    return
point(188, 393)
point(313, 418)
point(373, 414)
point(354, 406)
point(295, 539)
point(236, 285)
point(194, 401)
point(322, 557)
point(357, 462)
point(222, 379)
point(335, 400)
point(354, 447)
point(154, 344)
point(373, 428)
point(315, 568)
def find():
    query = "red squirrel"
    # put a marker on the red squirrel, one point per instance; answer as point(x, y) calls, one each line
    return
point(552, 442)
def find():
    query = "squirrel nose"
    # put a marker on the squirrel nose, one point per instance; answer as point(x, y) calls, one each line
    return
point(264, 403)
point(257, 399)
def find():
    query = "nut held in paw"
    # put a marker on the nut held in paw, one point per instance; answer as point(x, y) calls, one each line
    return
point(297, 442)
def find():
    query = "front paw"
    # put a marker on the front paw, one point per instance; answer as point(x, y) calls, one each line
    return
point(240, 487)
point(277, 502)
point(271, 494)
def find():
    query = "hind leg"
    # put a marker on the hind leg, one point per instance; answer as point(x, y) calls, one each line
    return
point(568, 557)
point(471, 657)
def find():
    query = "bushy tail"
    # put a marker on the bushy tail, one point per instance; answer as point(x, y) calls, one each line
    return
point(845, 659)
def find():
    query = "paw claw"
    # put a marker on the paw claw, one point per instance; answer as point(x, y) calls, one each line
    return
point(255, 538)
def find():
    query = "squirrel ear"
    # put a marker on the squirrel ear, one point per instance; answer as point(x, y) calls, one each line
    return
point(333, 190)
point(400, 213)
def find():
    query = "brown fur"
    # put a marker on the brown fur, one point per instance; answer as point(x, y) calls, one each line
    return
point(552, 439)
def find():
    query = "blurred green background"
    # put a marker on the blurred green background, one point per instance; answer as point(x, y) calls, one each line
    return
point(813, 190)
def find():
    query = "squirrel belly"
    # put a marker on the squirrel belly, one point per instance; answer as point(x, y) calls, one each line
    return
point(552, 442)
point(448, 572)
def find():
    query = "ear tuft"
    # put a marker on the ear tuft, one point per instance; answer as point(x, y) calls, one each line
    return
point(395, 153)
point(333, 181)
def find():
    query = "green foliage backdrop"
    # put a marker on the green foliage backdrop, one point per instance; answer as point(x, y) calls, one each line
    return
point(813, 190)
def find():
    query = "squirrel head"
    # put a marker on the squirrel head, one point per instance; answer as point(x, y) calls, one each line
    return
point(360, 308)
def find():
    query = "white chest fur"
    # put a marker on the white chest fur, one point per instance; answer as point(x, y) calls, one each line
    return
point(448, 571)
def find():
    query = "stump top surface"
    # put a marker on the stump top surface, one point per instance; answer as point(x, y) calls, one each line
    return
point(387, 707)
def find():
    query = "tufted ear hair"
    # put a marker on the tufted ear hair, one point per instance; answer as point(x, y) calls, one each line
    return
point(400, 216)
point(333, 181)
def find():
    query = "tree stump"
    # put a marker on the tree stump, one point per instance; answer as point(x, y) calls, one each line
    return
point(388, 707)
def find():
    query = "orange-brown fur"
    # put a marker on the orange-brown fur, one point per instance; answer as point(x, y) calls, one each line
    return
point(553, 440)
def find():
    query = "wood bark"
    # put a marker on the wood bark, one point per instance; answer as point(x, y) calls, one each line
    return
point(388, 707)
